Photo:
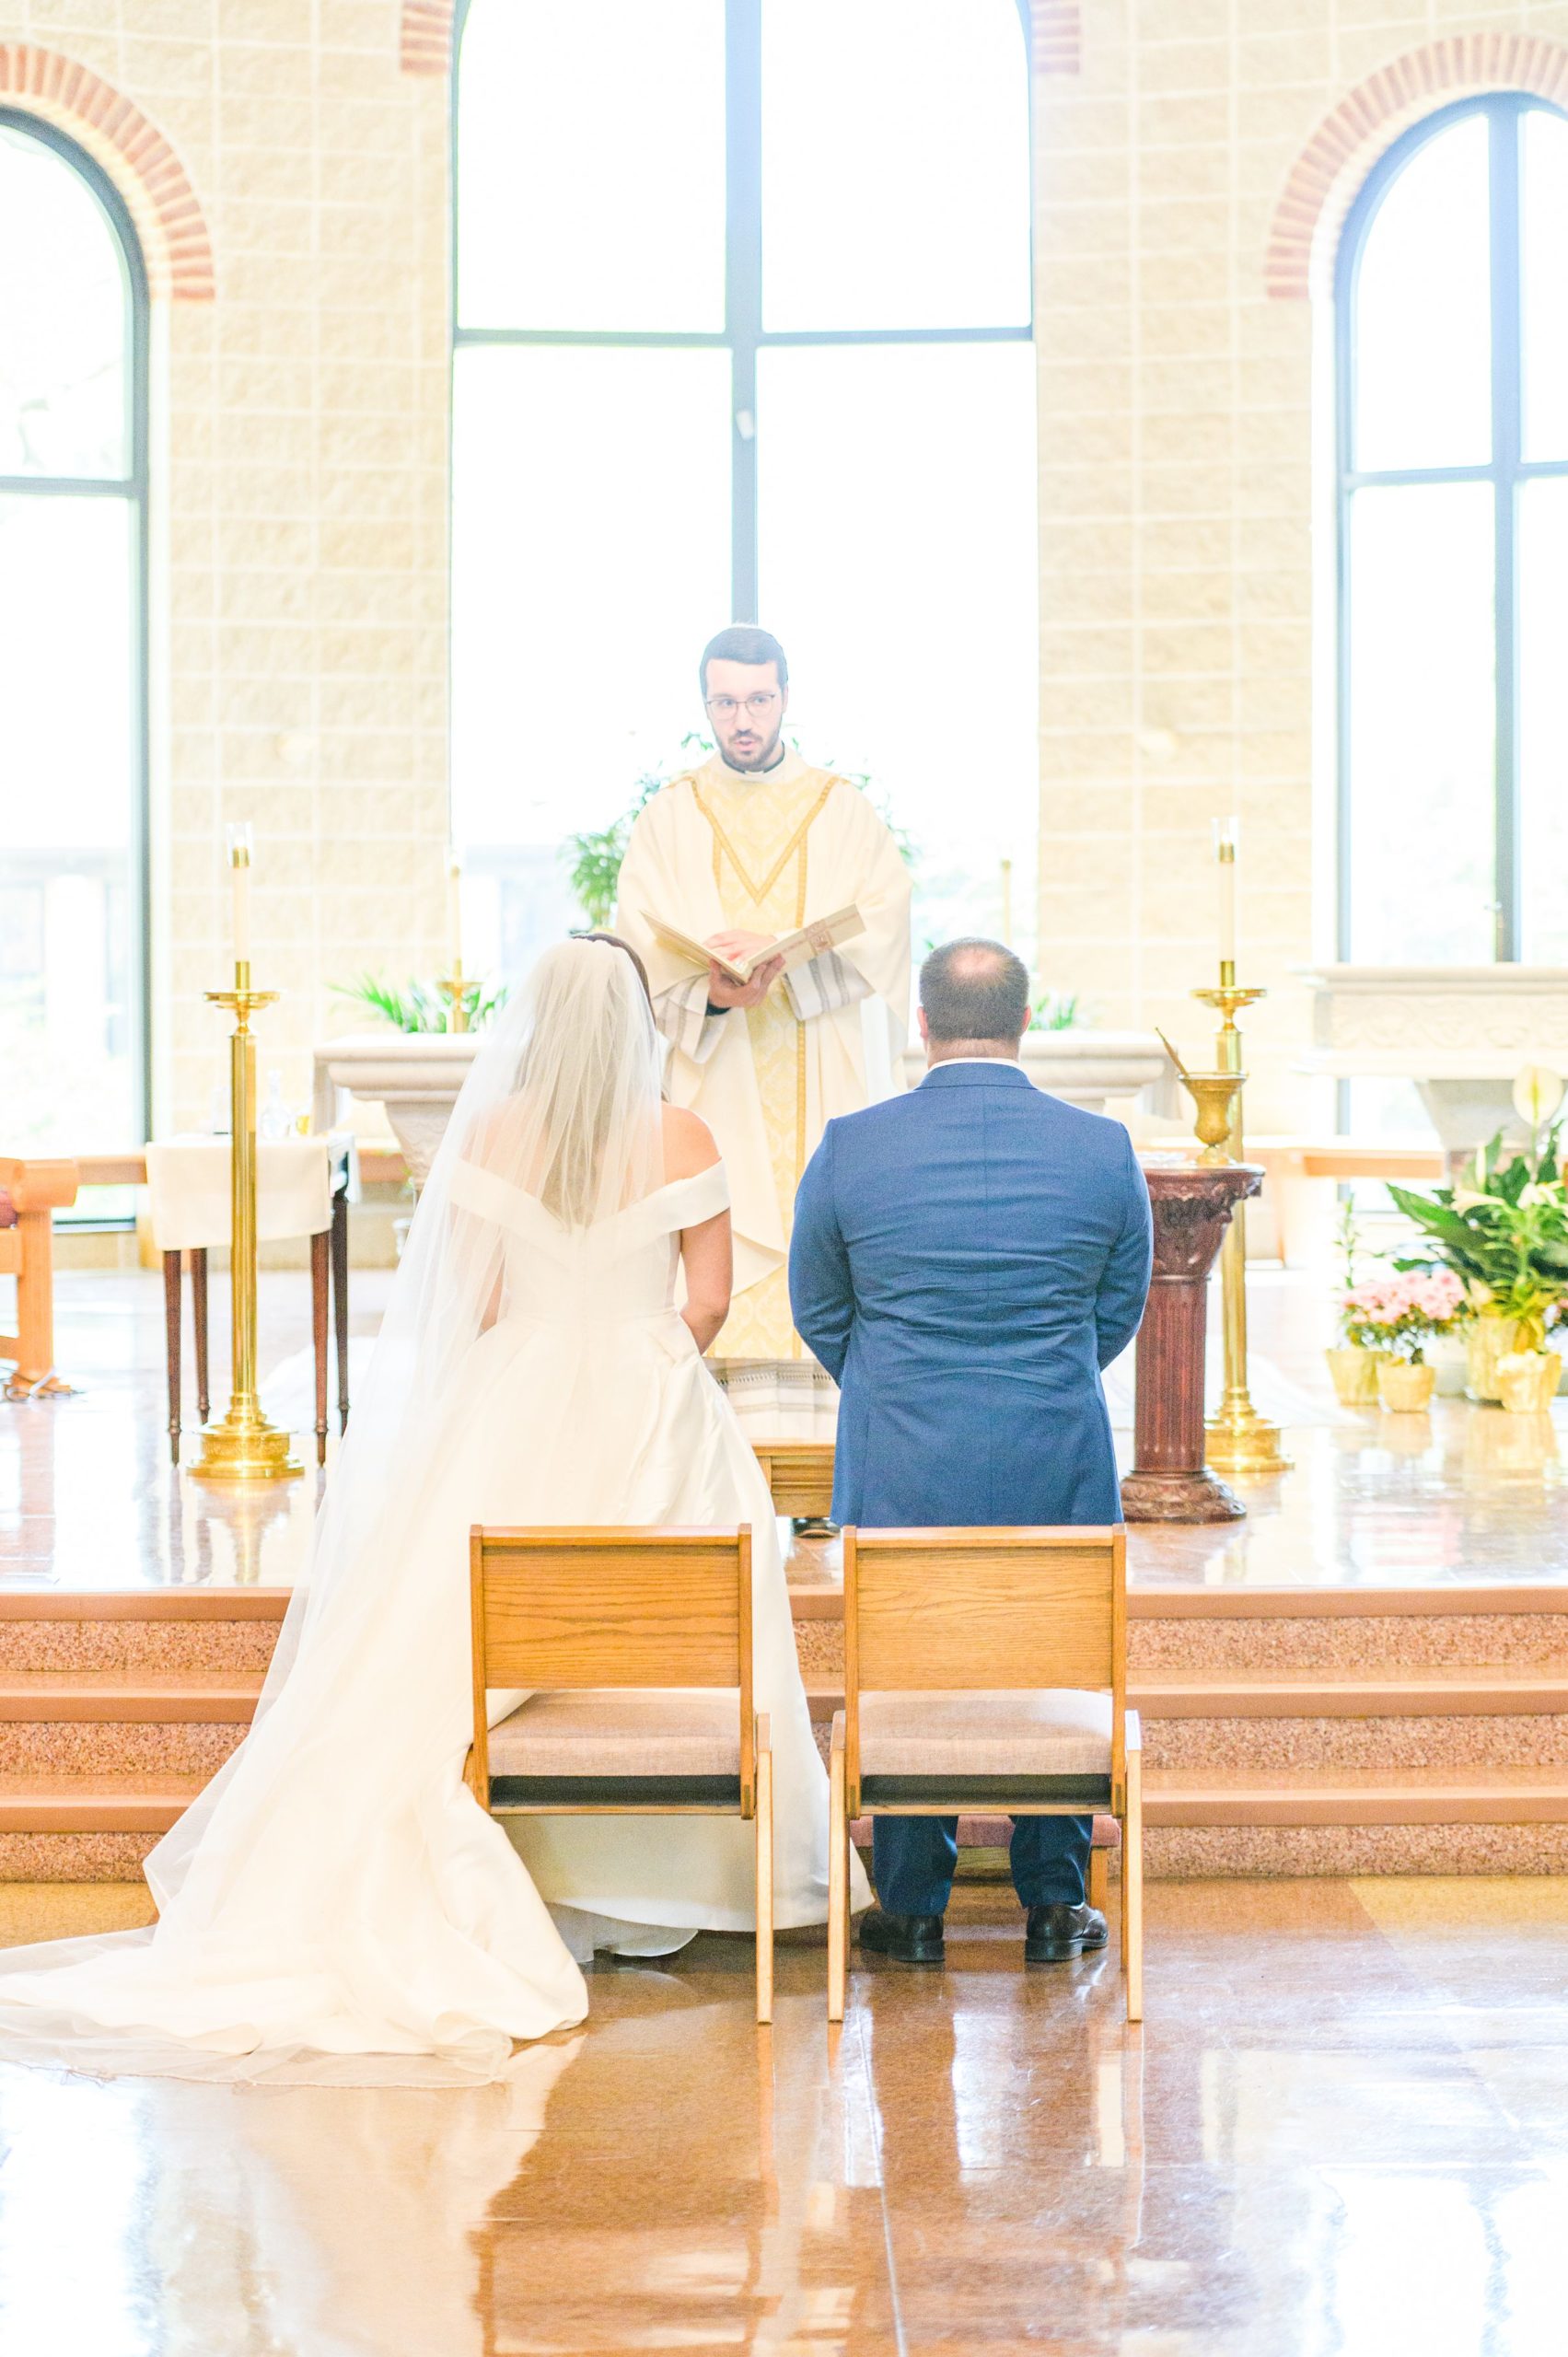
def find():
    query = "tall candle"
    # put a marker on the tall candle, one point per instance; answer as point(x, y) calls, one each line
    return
point(1007, 902)
point(454, 913)
point(1225, 833)
point(239, 886)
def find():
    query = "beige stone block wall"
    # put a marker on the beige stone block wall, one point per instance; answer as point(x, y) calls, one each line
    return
point(299, 477)
point(299, 602)
point(1178, 501)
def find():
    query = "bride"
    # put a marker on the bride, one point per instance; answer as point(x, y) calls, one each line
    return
point(336, 1905)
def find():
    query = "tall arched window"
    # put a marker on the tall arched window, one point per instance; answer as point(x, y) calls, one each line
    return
point(743, 330)
point(1453, 427)
point(72, 498)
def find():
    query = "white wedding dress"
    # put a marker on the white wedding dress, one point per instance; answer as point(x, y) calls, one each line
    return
point(336, 1907)
point(593, 1361)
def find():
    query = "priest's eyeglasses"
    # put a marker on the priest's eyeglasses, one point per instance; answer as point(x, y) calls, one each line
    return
point(758, 707)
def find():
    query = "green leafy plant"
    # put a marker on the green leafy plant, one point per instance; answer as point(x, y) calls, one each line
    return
point(1503, 1232)
point(421, 1006)
point(593, 857)
point(1056, 1010)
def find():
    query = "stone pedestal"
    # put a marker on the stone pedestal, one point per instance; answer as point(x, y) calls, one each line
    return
point(1169, 1481)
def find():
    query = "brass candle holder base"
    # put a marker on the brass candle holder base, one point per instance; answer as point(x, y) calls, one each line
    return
point(244, 1448)
point(1238, 1440)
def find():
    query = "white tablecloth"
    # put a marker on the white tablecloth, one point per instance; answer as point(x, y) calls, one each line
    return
point(187, 1190)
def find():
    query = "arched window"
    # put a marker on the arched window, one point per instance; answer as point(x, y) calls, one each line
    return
point(743, 332)
point(73, 499)
point(1453, 430)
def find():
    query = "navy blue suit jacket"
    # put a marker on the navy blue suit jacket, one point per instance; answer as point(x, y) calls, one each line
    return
point(965, 1259)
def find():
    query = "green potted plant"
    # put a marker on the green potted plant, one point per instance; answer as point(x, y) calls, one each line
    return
point(421, 1006)
point(1502, 1231)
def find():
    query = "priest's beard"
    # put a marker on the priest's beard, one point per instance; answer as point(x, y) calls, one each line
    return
point(750, 763)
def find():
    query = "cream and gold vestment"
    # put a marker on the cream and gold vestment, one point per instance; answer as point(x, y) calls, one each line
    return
point(718, 849)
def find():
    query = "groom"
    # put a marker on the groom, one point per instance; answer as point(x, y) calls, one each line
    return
point(966, 1258)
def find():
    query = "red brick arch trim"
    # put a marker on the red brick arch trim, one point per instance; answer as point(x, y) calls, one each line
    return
point(425, 40)
point(1325, 178)
point(1056, 36)
point(176, 245)
point(424, 43)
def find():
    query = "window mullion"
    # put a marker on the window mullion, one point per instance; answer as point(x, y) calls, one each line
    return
point(743, 285)
point(1505, 448)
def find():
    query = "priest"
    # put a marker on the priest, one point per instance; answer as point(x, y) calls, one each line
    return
point(736, 854)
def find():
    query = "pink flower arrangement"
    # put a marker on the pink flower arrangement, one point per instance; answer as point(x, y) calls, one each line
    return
point(1402, 1313)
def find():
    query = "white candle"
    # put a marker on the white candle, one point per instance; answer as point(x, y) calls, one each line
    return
point(1225, 833)
point(240, 883)
point(1007, 902)
point(454, 913)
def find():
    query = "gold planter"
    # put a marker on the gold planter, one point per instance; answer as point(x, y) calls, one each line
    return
point(1355, 1374)
point(1489, 1338)
point(1405, 1390)
point(1527, 1381)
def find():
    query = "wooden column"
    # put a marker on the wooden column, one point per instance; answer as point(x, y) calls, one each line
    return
point(1169, 1481)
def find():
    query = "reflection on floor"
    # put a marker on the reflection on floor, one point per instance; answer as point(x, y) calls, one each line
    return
point(89, 1499)
point(1341, 2129)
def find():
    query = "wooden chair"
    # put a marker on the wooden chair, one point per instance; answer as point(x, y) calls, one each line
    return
point(600, 1625)
point(986, 1669)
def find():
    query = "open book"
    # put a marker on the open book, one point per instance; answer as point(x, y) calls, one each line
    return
point(795, 948)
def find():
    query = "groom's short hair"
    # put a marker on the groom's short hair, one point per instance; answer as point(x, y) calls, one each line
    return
point(975, 989)
point(743, 644)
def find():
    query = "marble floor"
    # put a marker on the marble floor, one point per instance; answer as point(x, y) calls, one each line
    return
point(89, 1499)
point(1342, 2129)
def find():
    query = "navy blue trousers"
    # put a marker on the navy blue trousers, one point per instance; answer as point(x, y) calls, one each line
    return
point(912, 1860)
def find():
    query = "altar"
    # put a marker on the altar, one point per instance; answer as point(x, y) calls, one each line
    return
point(416, 1077)
point(1460, 1033)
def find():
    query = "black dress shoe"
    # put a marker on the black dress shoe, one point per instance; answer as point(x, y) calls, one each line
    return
point(1057, 1934)
point(910, 1939)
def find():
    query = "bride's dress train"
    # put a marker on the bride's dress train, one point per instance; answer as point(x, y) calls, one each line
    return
point(336, 1905)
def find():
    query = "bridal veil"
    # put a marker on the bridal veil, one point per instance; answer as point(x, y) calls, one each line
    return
point(335, 1906)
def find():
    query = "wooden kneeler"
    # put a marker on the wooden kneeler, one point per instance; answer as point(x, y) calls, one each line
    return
point(986, 1669)
point(600, 1625)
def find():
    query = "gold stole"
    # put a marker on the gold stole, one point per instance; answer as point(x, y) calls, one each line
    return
point(766, 893)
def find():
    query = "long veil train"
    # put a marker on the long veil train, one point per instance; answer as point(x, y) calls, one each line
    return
point(335, 1906)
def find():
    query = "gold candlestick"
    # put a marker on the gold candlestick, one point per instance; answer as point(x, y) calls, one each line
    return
point(1239, 1439)
point(454, 989)
point(244, 1446)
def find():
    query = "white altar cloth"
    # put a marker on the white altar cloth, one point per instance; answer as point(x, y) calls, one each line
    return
point(187, 1190)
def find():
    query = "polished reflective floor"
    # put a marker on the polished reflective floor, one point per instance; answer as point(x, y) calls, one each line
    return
point(1343, 2129)
point(88, 1498)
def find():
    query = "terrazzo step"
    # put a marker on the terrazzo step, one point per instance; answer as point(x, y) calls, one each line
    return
point(1346, 1631)
point(1271, 1722)
point(158, 1633)
point(97, 1804)
point(110, 1723)
point(1480, 1796)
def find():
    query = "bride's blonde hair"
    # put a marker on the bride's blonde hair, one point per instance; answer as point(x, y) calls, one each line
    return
point(586, 1092)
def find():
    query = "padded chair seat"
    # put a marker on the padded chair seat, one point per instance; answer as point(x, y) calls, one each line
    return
point(594, 1743)
point(1047, 1744)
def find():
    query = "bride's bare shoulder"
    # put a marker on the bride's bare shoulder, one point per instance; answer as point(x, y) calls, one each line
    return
point(688, 1143)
